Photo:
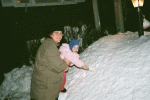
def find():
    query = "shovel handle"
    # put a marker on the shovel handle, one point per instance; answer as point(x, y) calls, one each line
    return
point(86, 69)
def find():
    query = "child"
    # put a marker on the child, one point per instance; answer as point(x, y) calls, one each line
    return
point(69, 52)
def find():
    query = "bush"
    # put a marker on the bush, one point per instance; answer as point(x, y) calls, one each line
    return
point(84, 35)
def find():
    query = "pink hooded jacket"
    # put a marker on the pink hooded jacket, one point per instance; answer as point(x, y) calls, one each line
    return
point(71, 56)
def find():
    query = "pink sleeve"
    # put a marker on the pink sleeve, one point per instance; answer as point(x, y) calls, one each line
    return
point(71, 64)
point(61, 56)
point(62, 51)
point(73, 57)
point(75, 60)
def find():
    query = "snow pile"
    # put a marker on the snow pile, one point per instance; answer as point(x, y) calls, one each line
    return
point(16, 85)
point(119, 70)
point(146, 23)
point(121, 66)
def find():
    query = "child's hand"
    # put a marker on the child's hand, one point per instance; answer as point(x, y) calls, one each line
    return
point(85, 67)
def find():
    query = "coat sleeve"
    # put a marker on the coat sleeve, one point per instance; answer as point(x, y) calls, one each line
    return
point(51, 59)
point(71, 64)
point(73, 57)
point(75, 60)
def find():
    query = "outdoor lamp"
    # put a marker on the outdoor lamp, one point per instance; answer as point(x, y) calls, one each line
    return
point(138, 4)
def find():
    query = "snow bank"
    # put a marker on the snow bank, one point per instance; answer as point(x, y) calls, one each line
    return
point(121, 66)
point(16, 85)
point(120, 71)
point(146, 23)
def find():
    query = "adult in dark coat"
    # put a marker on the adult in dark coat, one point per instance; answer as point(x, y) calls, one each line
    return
point(47, 75)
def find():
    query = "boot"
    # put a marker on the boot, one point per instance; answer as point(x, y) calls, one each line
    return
point(64, 90)
point(56, 99)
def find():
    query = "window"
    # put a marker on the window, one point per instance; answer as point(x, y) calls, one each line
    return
point(23, 1)
point(46, 1)
point(69, 0)
point(7, 3)
point(31, 3)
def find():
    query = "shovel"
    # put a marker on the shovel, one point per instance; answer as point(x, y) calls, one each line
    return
point(89, 69)
point(86, 69)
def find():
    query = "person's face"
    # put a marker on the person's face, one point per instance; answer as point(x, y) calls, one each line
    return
point(56, 36)
point(75, 48)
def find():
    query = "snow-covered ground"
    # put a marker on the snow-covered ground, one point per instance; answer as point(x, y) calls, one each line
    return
point(119, 70)
point(146, 23)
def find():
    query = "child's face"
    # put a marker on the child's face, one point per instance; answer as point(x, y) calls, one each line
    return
point(75, 48)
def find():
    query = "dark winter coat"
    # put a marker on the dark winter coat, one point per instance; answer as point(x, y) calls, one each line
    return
point(47, 75)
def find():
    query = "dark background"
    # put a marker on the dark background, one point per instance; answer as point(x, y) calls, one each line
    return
point(18, 26)
point(130, 14)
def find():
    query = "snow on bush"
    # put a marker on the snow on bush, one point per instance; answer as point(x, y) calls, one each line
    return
point(146, 23)
point(83, 35)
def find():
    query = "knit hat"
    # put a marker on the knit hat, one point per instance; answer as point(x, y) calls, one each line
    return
point(73, 43)
point(54, 28)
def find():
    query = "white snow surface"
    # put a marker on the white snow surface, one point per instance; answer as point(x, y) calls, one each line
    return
point(16, 85)
point(119, 70)
point(146, 23)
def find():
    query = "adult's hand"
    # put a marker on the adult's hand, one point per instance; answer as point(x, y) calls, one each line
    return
point(66, 69)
